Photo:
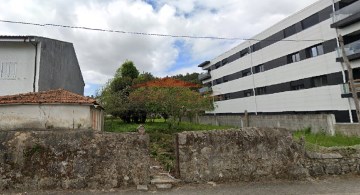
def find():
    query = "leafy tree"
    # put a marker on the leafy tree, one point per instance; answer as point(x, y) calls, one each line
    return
point(115, 94)
point(192, 78)
point(143, 78)
point(158, 98)
point(127, 69)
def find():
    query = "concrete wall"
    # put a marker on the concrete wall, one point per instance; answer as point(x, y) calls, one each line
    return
point(247, 154)
point(348, 129)
point(36, 160)
point(59, 67)
point(317, 122)
point(21, 59)
point(45, 117)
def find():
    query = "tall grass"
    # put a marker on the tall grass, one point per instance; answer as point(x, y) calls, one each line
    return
point(161, 137)
point(324, 140)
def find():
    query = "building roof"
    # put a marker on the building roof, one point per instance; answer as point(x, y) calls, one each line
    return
point(204, 64)
point(59, 96)
point(26, 38)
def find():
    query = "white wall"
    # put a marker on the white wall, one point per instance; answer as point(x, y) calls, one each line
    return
point(22, 57)
point(320, 98)
point(45, 117)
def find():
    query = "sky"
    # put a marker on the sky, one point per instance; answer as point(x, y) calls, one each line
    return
point(101, 53)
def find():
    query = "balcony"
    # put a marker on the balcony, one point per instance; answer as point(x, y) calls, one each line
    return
point(345, 89)
point(205, 90)
point(346, 16)
point(204, 76)
point(352, 51)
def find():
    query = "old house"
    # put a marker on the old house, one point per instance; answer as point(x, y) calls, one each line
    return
point(54, 109)
point(33, 64)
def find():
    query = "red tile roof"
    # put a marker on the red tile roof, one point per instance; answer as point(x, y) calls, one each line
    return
point(59, 96)
point(167, 82)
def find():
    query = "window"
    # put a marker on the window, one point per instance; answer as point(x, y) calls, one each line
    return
point(259, 68)
point(244, 52)
point(295, 57)
point(226, 97)
point(291, 30)
point(224, 61)
point(315, 51)
point(297, 87)
point(248, 93)
point(319, 81)
point(256, 47)
point(217, 65)
point(8, 70)
point(310, 21)
point(246, 73)
point(261, 91)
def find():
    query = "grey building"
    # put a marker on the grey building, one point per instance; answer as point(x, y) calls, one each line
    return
point(33, 64)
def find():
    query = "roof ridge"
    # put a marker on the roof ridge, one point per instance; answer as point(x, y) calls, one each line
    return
point(50, 96)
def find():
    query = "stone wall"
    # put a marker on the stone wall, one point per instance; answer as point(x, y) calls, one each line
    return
point(247, 154)
point(333, 162)
point(317, 122)
point(33, 160)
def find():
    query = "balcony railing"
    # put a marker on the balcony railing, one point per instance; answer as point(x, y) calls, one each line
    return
point(205, 90)
point(346, 89)
point(352, 50)
point(204, 76)
point(345, 13)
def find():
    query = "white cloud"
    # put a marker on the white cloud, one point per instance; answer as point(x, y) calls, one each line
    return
point(100, 54)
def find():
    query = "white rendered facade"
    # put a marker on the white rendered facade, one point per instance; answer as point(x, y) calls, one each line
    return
point(293, 68)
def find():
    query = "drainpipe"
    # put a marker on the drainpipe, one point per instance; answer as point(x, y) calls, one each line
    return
point(253, 77)
point(35, 44)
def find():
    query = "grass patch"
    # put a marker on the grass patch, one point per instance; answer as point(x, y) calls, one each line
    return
point(161, 137)
point(321, 139)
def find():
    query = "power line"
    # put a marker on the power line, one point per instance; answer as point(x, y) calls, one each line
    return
point(152, 34)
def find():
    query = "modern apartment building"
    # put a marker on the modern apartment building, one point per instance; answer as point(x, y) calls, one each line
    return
point(293, 67)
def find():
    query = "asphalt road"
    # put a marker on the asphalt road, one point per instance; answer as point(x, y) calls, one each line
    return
point(332, 185)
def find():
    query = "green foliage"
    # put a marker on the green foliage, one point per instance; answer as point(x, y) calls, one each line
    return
point(321, 139)
point(175, 102)
point(127, 69)
point(192, 78)
point(143, 78)
point(120, 84)
point(115, 95)
point(161, 137)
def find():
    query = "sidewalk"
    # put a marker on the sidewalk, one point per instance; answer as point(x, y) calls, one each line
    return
point(331, 185)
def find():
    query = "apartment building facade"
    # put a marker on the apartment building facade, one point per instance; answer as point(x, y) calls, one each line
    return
point(293, 67)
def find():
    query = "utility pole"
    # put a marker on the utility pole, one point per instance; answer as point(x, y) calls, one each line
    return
point(353, 89)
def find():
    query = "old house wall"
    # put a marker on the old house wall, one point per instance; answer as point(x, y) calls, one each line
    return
point(40, 116)
point(17, 67)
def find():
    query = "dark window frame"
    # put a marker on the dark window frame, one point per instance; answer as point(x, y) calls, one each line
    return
point(260, 91)
point(319, 81)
